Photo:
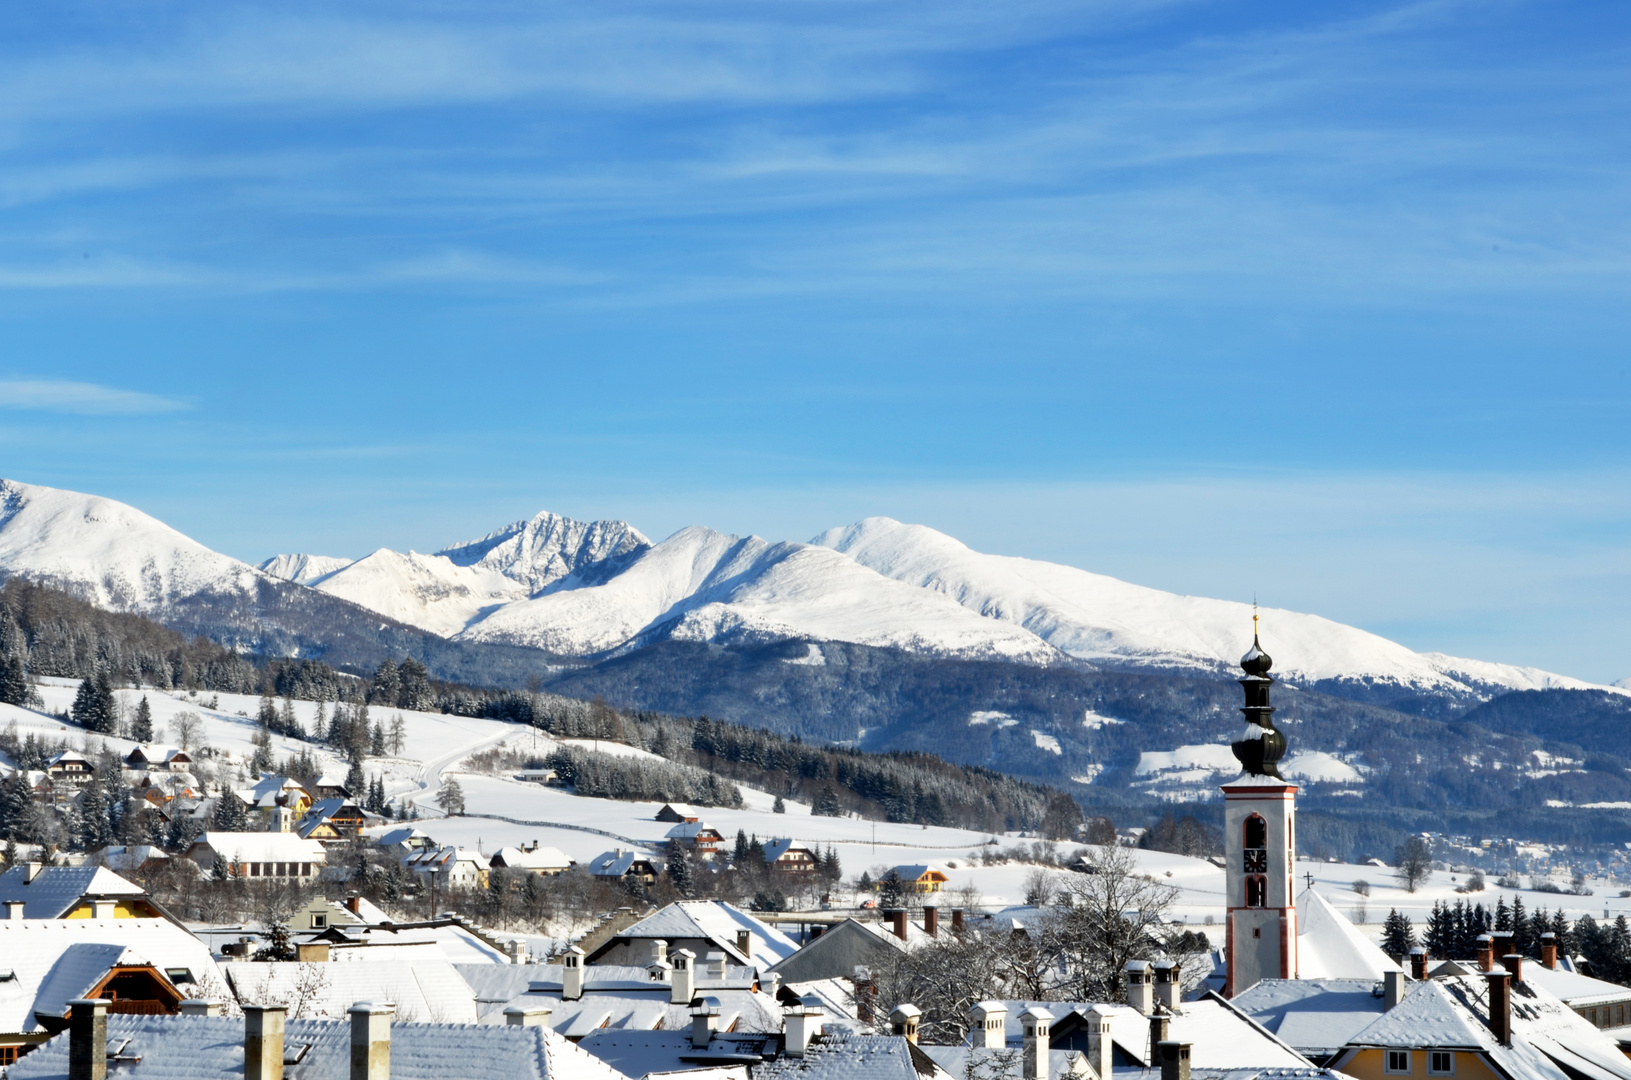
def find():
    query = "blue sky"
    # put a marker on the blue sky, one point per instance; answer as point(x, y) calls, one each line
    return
point(1322, 302)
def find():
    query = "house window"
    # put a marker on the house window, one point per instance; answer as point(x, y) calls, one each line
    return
point(1440, 1063)
point(1257, 890)
point(1398, 1061)
point(8, 1055)
point(318, 921)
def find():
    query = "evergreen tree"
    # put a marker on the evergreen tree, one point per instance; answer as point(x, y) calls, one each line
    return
point(832, 871)
point(278, 946)
point(778, 807)
point(15, 799)
point(14, 688)
point(826, 804)
point(94, 705)
point(1439, 933)
point(1398, 936)
point(451, 799)
point(1566, 940)
point(355, 782)
point(266, 716)
point(376, 741)
point(398, 735)
point(319, 725)
point(95, 830)
point(263, 761)
point(891, 890)
point(679, 868)
point(288, 723)
point(141, 727)
point(740, 852)
point(1503, 914)
point(387, 684)
point(230, 813)
point(415, 693)
point(10, 855)
point(1520, 926)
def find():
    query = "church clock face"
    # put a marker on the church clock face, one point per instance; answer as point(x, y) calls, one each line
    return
point(1257, 861)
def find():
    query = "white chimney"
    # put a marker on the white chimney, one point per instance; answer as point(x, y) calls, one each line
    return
point(800, 1024)
point(572, 974)
point(1033, 1054)
point(263, 1042)
point(988, 1025)
point(716, 965)
point(102, 909)
point(1168, 986)
point(527, 1015)
point(658, 951)
point(1140, 993)
point(14, 909)
point(517, 950)
point(371, 1040)
point(30, 872)
point(770, 983)
point(1393, 988)
point(200, 1007)
point(704, 1022)
point(684, 986)
point(1100, 1042)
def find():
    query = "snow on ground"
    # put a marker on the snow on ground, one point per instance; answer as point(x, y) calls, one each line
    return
point(1212, 757)
point(1319, 766)
point(1047, 742)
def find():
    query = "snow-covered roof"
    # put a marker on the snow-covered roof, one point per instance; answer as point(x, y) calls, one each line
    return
point(964, 1061)
point(1428, 1016)
point(446, 940)
point(1540, 1020)
point(842, 1056)
point(775, 849)
point(541, 858)
point(916, 871)
point(131, 857)
point(615, 863)
point(444, 858)
point(648, 1009)
point(248, 847)
point(1331, 947)
point(691, 830)
point(1221, 1035)
point(56, 890)
point(53, 961)
point(1575, 989)
point(425, 991)
point(1313, 1015)
point(718, 923)
point(208, 1047)
point(641, 1053)
point(266, 791)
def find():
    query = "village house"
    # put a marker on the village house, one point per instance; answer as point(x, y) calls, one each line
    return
point(532, 858)
point(623, 866)
point(33, 891)
point(703, 927)
point(700, 837)
point(449, 867)
point(70, 767)
point(786, 856)
point(678, 814)
point(921, 878)
point(260, 854)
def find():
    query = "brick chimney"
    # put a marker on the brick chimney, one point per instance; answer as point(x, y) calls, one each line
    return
point(1174, 1060)
point(572, 975)
point(903, 1021)
point(957, 920)
point(263, 1042)
point(865, 992)
point(527, 1015)
point(1168, 985)
point(1100, 1041)
point(371, 1040)
point(1513, 964)
point(1035, 1023)
point(88, 1039)
point(1500, 1005)
point(1140, 993)
point(684, 986)
point(1502, 942)
point(1392, 988)
point(800, 1024)
point(988, 1023)
point(1486, 952)
point(1160, 1032)
point(898, 917)
point(1418, 963)
point(1548, 950)
point(931, 920)
point(704, 1022)
point(353, 904)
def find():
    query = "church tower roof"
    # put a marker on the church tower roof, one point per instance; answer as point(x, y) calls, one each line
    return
point(1260, 746)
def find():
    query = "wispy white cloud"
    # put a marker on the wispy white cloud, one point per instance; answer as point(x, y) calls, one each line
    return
point(86, 399)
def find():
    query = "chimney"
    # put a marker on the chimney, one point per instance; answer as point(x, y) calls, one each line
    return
point(517, 950)
point(353, 904)
point(988, 1025)
point(1160, 1031)
point(1034, 1049)
point(1140, 994)
point(800, 1024)
point(770, 983)
point(87, 1038)
point(1500, 1005)
point(1502, 942)
point(931, 920)
point(1392, 988)
point(312, 952)
point(865, 991)
point(1486, 952)
point(1174, 1060)
point(1101, 1044)
point(572, 974)
point(102, 909)
point(684, 986)
point(1548, 950)
point(899, 919)
point(200, 1007)
point(657, 949)
point(704, 1022)
point(31, 870)
point(744, 943)
point(371, 1040)
point(14, 909)
point(1168, 985)
point(716, 965)
point(903, 1021)
point(527, 1016)
point(263, 1042)
point(1418, 963)
point(1514, 965)
point(957, 920)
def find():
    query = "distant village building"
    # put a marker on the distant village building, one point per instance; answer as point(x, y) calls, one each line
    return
point(786, 856)
point(532, 858)
point(260, 854)
point(623, 866)
point(678, 814)
point(921, 878)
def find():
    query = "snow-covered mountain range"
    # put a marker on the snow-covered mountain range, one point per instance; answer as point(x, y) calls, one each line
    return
point(587, 589)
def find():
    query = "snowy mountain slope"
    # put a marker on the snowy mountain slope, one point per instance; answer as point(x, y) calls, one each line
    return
point(701, 585)
point(427, 591)
point(1100, 618)
point(301, 569)
point(548, 548)
point(111, 554)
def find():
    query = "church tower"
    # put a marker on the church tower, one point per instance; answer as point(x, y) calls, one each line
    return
point(1259, 841)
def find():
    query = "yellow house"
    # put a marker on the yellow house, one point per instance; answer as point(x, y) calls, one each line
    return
point(922, 879)
point(73, 892)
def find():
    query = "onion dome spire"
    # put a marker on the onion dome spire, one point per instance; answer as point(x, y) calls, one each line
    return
point(1260, 745)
